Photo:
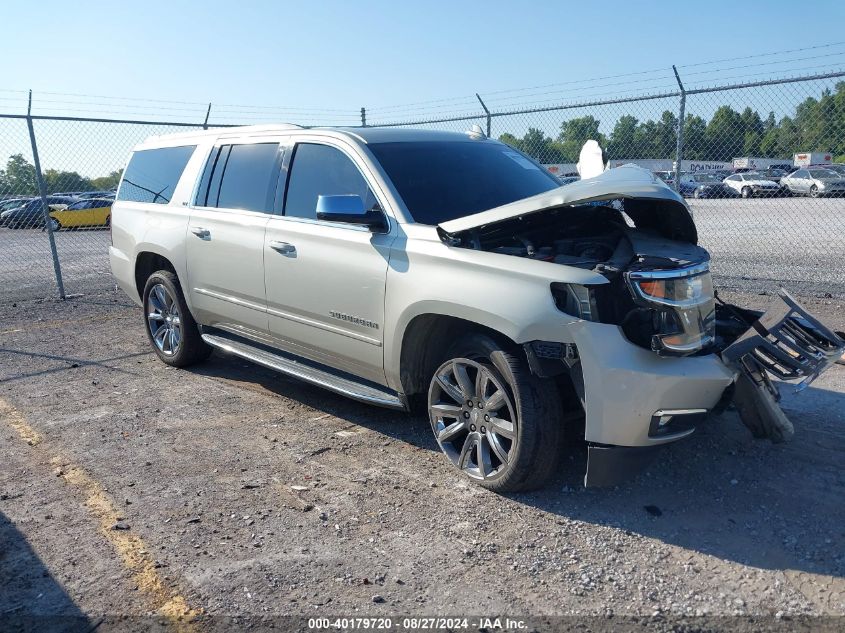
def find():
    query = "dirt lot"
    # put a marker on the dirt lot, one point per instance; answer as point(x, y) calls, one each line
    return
point(128, 487)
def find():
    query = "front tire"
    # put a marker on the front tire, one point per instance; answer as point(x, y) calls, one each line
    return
point(746, 192)
point(814, 191)
point(495, 421)
point(171, 329)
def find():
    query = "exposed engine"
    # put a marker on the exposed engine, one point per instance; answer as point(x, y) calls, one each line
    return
point(660, 291)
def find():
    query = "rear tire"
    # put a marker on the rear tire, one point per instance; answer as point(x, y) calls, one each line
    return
point(55, 225)
point(496, 421)
point(746, 192)
point(173, 334)
point(814, 191)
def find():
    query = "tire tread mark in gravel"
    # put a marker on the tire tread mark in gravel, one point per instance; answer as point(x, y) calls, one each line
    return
point(129, 546)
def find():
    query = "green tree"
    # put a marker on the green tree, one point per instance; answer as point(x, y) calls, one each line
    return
point(695, 138)
point(725, 134)
point(107, 182)
point(752, 126)
point(666, 135)
point(18, 178)
point(623, 139)
point(57, 181)
point(574, 133)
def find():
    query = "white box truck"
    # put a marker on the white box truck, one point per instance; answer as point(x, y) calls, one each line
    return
point(754, 162)
point(812, 158)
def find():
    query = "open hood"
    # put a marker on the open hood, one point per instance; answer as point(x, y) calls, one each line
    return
point(648, 201)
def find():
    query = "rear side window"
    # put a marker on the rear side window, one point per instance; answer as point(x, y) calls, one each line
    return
point(320, 170)
point(152, 174)
point(241, 177)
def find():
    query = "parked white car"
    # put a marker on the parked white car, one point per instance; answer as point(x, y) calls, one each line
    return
point(750, 185)
point(815, 182)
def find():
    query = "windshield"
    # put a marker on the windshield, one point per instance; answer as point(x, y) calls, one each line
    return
point(706, 178)
point(823, 173)
point(444, 180)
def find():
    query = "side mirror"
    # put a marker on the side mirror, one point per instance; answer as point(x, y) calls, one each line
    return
point(349, 209)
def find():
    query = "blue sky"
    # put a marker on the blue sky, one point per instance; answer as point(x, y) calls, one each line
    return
point(339, 56)
point(320, 62)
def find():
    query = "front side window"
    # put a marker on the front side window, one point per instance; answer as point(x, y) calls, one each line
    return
point(321, 170)
point(241, 177)
point(152, 174)
point(444, 180)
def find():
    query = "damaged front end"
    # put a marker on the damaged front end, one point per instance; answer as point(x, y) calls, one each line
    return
point(638, 234)
point(786, 342)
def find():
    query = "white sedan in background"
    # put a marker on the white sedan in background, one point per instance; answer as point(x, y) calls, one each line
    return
point(748, 185)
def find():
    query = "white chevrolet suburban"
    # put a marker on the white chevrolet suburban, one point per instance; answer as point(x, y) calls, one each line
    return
point(398, 265)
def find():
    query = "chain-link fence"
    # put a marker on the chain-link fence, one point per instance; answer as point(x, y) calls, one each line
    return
point(762, 164)
point(765, 222)
point(64, 196)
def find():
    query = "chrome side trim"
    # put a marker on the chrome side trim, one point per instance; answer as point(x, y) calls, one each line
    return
point(662, 412)
point(315, 376)
point(288, 316)
point(230, 299)
point(323, 326)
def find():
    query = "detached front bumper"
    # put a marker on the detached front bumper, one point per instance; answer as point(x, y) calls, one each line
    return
point(635, 400)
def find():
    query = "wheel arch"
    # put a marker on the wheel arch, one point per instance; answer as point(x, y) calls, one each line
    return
point(426, 336)
point(146, 263)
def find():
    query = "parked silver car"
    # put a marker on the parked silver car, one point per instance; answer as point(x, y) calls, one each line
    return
point(815, 182)
point(451, 271)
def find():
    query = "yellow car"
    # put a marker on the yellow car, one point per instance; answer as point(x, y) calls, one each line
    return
point(92, 212)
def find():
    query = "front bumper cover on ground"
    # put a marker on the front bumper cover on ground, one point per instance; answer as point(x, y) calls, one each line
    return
point(786, 342)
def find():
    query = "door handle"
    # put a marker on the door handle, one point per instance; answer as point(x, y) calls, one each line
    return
point(282, 247)
point(200, 232)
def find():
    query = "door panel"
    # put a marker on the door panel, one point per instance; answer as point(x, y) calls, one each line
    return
point(225, 255)
point(74, 217)
point(99, 215)
point(325, 298)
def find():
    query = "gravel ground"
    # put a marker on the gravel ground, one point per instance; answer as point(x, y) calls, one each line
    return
point(128, 487)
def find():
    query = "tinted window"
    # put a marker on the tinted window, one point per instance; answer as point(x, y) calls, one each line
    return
point(152, 174)
point(249, 179)
point(443, 180)
point(241, 177)
point(801, 173)
point(320, 170)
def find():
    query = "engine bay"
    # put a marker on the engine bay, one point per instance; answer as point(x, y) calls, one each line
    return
point(660, 292)
point(598, 238)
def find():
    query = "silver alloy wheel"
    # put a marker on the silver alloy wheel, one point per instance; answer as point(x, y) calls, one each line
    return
point(54, 225)
point(164, 320)
point(473, 418)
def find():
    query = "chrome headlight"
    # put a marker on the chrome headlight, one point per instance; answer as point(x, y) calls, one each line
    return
point(683, 306)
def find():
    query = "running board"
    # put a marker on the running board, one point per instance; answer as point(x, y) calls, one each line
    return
point(307, 372)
